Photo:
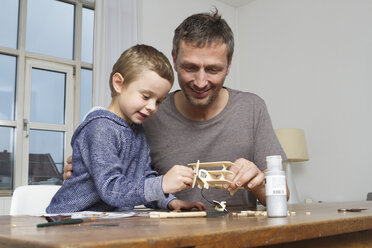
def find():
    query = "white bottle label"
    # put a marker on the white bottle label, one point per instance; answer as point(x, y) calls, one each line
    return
point(275, 185)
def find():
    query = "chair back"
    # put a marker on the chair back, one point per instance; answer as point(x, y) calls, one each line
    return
point(32, 199)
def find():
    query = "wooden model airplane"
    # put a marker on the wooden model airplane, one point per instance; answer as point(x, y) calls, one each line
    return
point(214, 178)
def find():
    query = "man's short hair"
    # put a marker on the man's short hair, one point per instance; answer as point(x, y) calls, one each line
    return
point(137, 59)
point(204, 29)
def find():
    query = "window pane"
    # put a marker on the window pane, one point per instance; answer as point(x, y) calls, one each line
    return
point(7, 86)
point(6, 157)
point(9, 23)
point(47, 96)
point(85, 92)
point(87, 35)
point(46, 157)
point(50, 28)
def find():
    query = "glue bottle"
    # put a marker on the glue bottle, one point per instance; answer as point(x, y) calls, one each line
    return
point(276, 187)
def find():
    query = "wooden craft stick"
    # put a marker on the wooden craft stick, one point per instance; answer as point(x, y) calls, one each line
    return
point(177, 214)
point(232, 192)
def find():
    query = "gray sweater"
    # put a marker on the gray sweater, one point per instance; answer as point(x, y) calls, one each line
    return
point(112, 171)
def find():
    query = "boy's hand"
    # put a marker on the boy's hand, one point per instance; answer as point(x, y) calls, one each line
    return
point(178, 205)
point(179, 177)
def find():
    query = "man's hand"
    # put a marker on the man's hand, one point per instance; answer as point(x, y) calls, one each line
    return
point(178, 205)
point(179, 177)
point(67, 169)
point(247, 175)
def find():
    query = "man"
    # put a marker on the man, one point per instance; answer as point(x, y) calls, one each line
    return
point(208, 122)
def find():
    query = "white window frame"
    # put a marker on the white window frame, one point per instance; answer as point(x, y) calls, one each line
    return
point(67, 127)
point(20, 170)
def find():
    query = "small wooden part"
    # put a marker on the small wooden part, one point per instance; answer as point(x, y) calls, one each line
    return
point(250, 213)
point(232, 192)
point(220, 206)
point(196, 169)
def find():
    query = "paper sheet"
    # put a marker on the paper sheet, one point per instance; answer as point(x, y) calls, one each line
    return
point(93, 214)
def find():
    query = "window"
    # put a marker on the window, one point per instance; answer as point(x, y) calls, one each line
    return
point(50, 28)
point(46, 51)
point(7, 86)
point(85, 86)
point(9, 23)
point(87, 35)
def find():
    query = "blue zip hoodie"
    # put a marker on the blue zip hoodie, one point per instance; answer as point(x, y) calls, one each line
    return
point(111, 168)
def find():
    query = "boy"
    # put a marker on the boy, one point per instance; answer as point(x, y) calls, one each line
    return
point(110, 153)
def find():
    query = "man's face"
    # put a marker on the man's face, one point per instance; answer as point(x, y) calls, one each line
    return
point(201, 71)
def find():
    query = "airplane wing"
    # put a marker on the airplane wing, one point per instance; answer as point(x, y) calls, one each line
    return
point(220, 172)
point(217, 181)
point(212, 164)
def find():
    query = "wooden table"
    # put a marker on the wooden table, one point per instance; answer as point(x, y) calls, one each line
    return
point(314, 225)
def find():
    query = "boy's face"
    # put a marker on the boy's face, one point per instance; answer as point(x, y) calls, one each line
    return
point(141, 98)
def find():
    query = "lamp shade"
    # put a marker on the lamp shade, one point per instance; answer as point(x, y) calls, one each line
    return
point(293, 143)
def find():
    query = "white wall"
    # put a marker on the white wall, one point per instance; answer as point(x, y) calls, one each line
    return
point(158, 19)
point(311, 60)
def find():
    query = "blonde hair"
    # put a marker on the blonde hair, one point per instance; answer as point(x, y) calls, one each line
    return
point(137, 59)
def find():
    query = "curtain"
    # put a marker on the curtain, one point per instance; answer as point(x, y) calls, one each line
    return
point(115, 29)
